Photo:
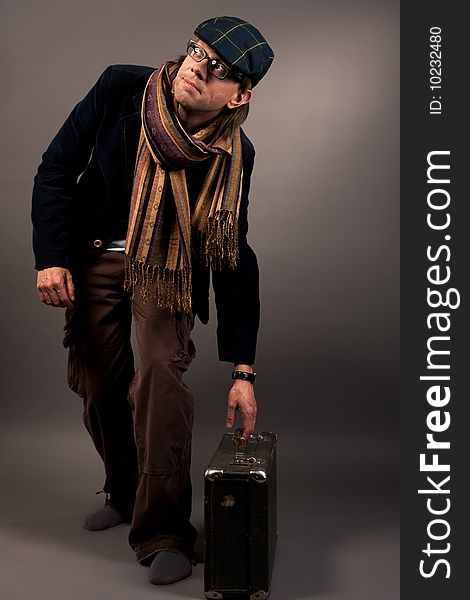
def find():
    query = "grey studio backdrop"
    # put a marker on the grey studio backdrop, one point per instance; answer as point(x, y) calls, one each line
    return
point(324, 215)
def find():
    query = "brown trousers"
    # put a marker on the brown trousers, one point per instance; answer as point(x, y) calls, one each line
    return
point(140, 423)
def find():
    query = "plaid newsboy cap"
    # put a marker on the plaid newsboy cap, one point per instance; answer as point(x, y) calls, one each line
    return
point(239, 44)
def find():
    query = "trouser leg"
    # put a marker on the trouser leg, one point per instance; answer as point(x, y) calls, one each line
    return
point(163, 418)
point(101, 367)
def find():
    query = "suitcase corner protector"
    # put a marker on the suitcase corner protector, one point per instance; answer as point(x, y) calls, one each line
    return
point(213, 595)
point(213, 474)
point(260, 595)
point(259, 475)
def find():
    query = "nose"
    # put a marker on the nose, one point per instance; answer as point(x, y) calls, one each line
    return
point(200, 69)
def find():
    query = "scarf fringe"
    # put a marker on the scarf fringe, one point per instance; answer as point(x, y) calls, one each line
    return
point(220, 241)
point(173, 288)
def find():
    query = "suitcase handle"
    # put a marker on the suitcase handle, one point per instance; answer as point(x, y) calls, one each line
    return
point(241, 443)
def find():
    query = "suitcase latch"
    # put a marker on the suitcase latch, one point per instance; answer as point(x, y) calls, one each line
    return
point(246, 460)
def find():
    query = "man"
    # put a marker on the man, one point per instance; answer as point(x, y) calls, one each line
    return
point(139, 197)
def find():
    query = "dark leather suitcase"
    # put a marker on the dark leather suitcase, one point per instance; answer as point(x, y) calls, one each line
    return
point(240, 517)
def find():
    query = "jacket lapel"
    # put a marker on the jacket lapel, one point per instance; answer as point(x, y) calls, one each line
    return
point(130, 131)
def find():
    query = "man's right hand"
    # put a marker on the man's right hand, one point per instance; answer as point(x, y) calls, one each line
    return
point(55, 287)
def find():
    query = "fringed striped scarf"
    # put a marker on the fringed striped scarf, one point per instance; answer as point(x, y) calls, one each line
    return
point(158, 244)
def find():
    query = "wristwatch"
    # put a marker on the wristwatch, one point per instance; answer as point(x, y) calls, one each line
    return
point(244, 375)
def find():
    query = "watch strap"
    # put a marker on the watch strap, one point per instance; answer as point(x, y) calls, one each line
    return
point(245, 375)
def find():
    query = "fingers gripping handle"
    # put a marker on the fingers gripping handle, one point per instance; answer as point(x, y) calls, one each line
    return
point(238, 440)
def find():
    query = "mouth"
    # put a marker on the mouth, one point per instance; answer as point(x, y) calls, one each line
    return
point(190, 83)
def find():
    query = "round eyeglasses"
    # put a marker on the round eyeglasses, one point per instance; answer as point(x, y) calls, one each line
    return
point(214, 66)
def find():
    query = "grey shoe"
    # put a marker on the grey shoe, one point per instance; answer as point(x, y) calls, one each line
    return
point(106, 517)
point(103, 519)
point(168, 567)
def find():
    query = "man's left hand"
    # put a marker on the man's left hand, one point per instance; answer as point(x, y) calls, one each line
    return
point(242, 397)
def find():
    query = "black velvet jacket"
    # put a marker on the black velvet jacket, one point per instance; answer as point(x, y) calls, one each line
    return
point(81, 200)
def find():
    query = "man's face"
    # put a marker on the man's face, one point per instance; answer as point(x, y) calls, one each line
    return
point(200, 93)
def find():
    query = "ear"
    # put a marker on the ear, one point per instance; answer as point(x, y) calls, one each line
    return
point(240, 98)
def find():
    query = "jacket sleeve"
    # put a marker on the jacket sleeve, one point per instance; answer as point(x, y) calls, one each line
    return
point(54, 184)
point(237, 290)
